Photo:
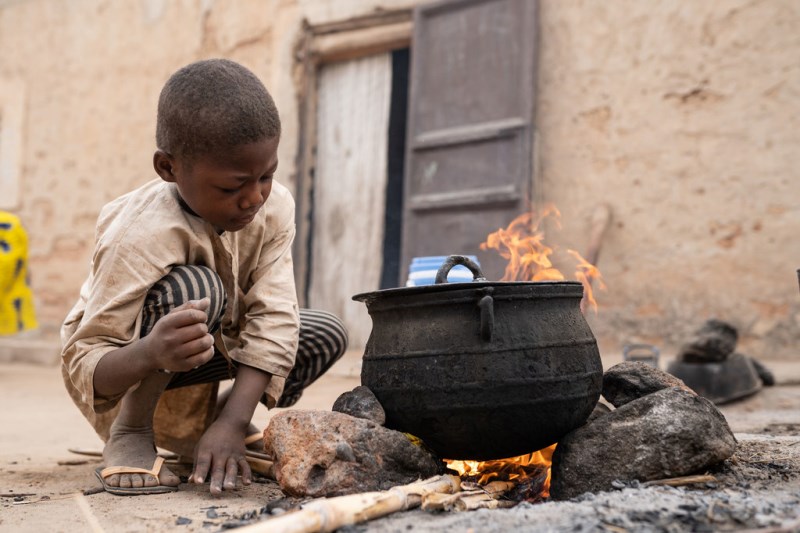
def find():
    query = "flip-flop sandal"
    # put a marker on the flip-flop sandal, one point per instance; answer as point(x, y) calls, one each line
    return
point(168, 456)
point(103, 473)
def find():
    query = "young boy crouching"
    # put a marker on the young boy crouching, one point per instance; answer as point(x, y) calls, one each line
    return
point(191, 283)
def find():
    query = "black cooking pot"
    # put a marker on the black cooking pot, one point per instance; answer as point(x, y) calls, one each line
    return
point(482, 370)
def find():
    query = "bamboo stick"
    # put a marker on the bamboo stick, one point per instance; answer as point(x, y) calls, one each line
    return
point(329, 514)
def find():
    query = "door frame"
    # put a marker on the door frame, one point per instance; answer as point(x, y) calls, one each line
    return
point(318, 45)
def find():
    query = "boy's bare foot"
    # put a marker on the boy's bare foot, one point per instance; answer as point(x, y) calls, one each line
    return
point(133, 447)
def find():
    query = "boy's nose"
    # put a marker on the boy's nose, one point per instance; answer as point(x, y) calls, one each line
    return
point(252, 197)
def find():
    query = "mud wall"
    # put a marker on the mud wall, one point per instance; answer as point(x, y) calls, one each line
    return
point(685, 119)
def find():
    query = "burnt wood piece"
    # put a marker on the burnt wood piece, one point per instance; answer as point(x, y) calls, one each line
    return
point(712, 343)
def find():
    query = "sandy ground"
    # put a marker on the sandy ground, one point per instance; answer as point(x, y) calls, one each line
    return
point(40, 478)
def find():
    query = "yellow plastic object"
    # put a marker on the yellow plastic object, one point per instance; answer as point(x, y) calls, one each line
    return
point(16, 299)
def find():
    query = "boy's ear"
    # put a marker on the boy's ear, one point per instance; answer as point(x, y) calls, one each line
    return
point(164, 165)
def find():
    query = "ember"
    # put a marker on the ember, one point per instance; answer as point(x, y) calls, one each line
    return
point(529, 258)
point(530, 474)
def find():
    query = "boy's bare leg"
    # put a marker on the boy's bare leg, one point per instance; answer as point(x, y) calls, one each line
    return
point(131, 441)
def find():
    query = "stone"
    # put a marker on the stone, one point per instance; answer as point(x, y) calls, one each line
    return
point(599, 410)
point(323, 453)
point(712, 343)
point(631, 380)
point(669, 433)
point(361, 403)
point(764, 374)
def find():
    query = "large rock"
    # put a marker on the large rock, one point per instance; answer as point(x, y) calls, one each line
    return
point(360, 403)
point(322, 453)
point(631, 380)
point(669, 433)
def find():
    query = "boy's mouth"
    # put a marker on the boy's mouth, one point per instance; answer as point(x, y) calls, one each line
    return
point(245, 219)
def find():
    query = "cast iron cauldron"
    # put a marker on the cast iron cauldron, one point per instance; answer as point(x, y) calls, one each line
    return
point(482, 370)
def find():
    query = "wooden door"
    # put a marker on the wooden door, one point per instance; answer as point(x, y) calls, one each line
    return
point(470, 126)
point(349, 194)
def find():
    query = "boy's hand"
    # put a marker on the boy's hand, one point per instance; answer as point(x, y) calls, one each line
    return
point(221, 453)
point(180, 340)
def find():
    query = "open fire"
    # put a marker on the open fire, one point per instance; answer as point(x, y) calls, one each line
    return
point(529, 474)
point(529, 259)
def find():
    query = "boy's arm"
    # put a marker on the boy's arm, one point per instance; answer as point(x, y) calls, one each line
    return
point(221, 450)
point(178, 342)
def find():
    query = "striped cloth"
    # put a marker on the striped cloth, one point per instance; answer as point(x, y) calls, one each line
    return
point(323, 337)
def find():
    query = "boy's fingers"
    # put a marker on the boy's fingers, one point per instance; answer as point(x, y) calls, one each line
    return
point(201, 304)
point(201, 465)
point(231, 470)
point(217, 476)
point(247, 474)
point(179, 318)
point(199, 359)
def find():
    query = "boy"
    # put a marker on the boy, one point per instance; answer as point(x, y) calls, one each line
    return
point(191, 282)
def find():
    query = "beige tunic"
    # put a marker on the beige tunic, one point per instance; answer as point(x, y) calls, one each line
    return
point(140, 237)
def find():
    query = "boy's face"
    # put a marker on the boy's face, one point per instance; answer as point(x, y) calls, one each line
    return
point(225, 189)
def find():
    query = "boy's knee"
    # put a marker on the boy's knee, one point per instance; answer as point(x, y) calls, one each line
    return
point(182, 284)
point(328, 325)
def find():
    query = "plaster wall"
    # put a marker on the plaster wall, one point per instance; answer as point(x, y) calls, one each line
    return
point(683, 117)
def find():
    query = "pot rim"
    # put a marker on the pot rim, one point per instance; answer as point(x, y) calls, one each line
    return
point(448, 287)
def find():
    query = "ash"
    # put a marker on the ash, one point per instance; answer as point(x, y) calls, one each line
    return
point(759, 487)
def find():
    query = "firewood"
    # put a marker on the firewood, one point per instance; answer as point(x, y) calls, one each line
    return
point(680, 481)
point(261, 466)
point(480, 497)
point(329, 514)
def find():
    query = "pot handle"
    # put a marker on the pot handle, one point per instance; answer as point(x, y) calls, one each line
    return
point(453, 260)
point(486, 305)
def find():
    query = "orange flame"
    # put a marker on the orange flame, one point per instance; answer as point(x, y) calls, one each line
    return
point(522, 245)
point(531, 468)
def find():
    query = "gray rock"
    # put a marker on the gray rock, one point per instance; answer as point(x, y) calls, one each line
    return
point(599, 410)
point(631, 380)
point(665, 434)
point(712, 343)
point(361, 403)
point(323, 453)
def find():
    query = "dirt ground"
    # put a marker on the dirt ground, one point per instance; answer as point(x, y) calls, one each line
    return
point(40, 479)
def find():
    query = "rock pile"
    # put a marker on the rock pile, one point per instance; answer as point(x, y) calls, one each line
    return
point(651, 427)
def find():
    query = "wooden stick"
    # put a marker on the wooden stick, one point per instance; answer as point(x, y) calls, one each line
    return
point(680, 481)
point(329, 514)
point(86, 509)
point(601, 219)
point(261, 466)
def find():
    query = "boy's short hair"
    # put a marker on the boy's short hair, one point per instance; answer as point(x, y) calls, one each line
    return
point(211, 105)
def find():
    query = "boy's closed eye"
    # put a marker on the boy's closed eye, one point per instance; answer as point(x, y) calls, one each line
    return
point(234, 190)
